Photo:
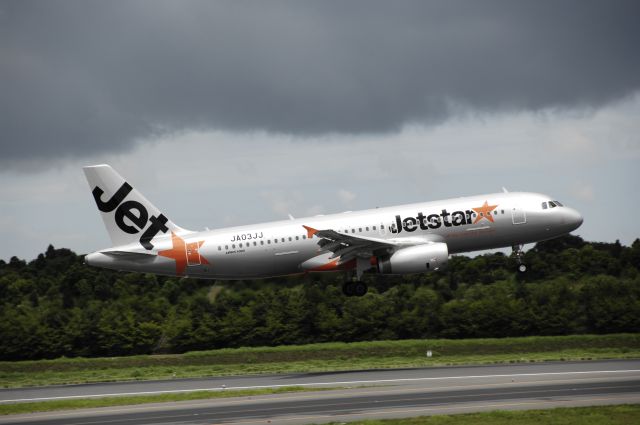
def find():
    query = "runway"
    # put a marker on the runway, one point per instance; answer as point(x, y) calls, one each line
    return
point(362, 394)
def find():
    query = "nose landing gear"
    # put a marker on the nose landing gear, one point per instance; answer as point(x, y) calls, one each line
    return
point(517, 251)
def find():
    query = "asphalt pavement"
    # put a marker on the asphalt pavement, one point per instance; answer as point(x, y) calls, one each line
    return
point(362, 394)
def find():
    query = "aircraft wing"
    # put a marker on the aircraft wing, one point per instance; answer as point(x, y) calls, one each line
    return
point(348, 247)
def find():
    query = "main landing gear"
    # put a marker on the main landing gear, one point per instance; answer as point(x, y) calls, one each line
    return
point(517, 250)
point(356, 287)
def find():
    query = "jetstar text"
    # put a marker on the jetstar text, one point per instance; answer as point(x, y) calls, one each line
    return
point(432, 221)
point(134, 211)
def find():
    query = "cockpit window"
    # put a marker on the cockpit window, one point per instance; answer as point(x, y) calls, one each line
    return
point(544, 205)
point(558, 204)
point(552, 204)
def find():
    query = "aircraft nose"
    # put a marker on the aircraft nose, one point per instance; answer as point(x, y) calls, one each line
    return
point(572, 218)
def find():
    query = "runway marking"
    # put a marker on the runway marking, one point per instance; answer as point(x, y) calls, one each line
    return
point(315, 384)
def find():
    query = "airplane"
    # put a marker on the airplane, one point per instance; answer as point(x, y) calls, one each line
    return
point(404, 239)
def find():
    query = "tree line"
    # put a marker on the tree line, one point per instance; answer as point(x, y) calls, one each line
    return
point(57, 306)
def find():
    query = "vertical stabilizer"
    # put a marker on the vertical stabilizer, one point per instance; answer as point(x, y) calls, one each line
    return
point(128, 216)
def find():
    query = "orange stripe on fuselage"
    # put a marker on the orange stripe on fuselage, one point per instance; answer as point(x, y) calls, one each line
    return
point(333, 265)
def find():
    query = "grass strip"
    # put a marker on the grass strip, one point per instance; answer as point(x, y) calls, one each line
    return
point(624, 414)
point(86, 403)
point(320, 358)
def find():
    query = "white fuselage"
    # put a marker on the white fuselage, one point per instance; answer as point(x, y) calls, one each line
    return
point(286, 247)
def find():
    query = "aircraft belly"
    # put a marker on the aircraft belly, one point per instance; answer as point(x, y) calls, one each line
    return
point(258, 262)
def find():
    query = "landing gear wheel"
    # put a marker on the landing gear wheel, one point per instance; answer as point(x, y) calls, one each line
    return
point(359, 289)
point(522, 268)
point(348, 289)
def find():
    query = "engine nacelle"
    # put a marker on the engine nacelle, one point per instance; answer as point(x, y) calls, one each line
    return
point(415, 259)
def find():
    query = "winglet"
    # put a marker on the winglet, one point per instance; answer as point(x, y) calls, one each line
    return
point(310, 231)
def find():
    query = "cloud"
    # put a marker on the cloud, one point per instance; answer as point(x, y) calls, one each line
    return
point(80, 78)
point(346, 196)
point(584, 193)
point(234, 178)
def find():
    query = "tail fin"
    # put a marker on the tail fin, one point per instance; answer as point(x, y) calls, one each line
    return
point(127, 215)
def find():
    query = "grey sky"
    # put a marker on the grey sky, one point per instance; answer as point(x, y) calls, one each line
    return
point(312, 107)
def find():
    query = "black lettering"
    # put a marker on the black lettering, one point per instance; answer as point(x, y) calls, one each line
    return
point(434, 221)
point(469, 213)
point(457, 218)
point(398, 226)
point(233, 239)
point(422, 221)
point(115, 200)
point(445, 218)
point(409, 224)
point(126, 210)
point(158, 224)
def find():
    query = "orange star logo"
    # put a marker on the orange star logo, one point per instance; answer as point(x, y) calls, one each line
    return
point(185, 254)
point(484, 212)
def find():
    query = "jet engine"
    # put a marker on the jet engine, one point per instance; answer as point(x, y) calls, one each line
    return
point(415, 259)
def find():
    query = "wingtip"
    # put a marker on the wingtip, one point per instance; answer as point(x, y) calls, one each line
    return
point(96, 166)
point(310, 231)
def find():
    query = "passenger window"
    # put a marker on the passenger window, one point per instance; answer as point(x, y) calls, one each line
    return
point(275, 240)
point(261, 242)
point(268, 241)
point(255, 243)
point(360, 230)
point(233, 246)
point(282, 240)
point(374, 227)
point(290, 239)
point(353, 230)
point(240, 245)
point(226, 247)
point(367, 229)
point(304, 236)
point(219, 248)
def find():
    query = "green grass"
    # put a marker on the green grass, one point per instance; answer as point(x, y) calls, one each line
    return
point(596, 415)
point(86, 403)
point(319, 358)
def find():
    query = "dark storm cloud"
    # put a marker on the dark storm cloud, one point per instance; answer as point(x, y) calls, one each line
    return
point(79, 77)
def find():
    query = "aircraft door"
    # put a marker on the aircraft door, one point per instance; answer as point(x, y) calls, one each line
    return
point(193, 254)
point(518, 215)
